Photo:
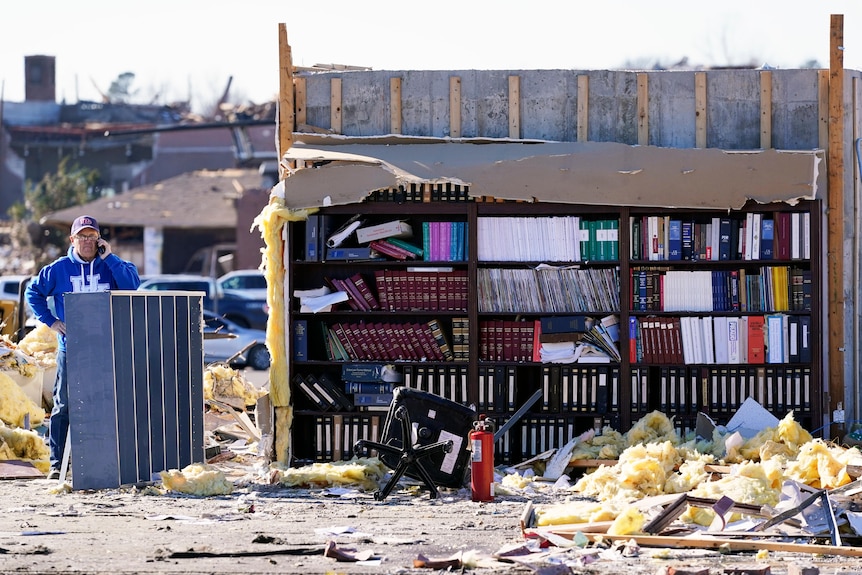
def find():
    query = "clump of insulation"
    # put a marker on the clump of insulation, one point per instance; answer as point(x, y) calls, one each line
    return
point(223, 382)
point(364, 472)
point(41, 345)
point(197, 479)
point(15, 405)
point(24, 444)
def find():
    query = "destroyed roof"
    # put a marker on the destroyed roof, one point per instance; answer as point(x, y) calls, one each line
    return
point(349, 168)
point(199, 199)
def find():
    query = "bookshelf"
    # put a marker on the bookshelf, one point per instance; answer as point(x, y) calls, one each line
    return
point(612, 311)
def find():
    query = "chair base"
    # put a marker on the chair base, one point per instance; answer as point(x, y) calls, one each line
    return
point(409, 457)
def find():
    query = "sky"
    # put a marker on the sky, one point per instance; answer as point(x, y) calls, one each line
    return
point(187, 50)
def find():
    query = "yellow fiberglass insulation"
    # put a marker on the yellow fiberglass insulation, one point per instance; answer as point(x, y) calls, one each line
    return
point(363, 472)
point(608, 445)
point(222, 381)
point(788, 433)
point(629, 522)
point(753, 483)
point(24, 444)
point(653, 427)
point(15, 405)
point(197, 479)
point(643, 470)
point(575, 512)
point(821, 465)
point(40, 344)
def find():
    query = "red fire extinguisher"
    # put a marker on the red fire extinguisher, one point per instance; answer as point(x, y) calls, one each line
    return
point(482, 465)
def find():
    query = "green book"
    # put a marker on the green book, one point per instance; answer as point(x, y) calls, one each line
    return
point(416, 250)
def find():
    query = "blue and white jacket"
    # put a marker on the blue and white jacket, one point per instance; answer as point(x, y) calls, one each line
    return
point(72, 274)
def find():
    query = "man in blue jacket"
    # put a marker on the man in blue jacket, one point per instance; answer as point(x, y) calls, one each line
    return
point(88, 266)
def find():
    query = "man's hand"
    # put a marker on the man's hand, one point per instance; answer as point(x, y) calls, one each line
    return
point(59, 327)
point(104, 248)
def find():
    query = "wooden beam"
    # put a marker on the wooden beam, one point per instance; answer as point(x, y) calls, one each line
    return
point(395, 105)
point(708, 542)
point(643, 108)
point(823, 109)
point(583, 107)
point(515, 107)
point(700, 109)
point(766, 109)
point(835, 216)
point(285, 97)
point(335, 115)
point(301, 91)
point(454, 106)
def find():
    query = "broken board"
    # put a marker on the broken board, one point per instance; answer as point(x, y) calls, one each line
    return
point(17, 469)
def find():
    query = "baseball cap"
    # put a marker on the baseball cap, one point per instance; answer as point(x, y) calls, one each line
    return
point(82, 222)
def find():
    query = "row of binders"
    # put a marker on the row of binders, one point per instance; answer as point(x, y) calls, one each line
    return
point(769, 289)
point(580, 389)
point(720, 390)
point(449, 381)
point(335, 435)
point(422, 193)
point(547, 239)
point(757, 236)
point(754, 339)
point(548, 289)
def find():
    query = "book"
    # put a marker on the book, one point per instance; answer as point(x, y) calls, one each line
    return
point(566, 323)
point(312, 241)
point(674, 239)
point(390, 250)
point(767, 238)
point(352, 253)
point(415, 250)
point(372, 399)
point(392, 229)
point(300, 340)
point(364, 291)
point(441, 340)
point(367, 387)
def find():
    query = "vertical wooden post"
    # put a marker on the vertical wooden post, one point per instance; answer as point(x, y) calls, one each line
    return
point(514, 107)
point(454, 107)
point(335, 116)
point(301, 98)
point(583, 108)
point(395, 105)
point(823, 109)
point(700, 109)
point(766, 109)
point(285, 97)
point(835, 216)
point(643, 108)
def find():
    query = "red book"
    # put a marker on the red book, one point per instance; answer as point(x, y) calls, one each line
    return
point(339, 285)
point(365, 291)
point(756, 339)
point(390, 250)
point(344, 338)
point(782, 232)
point(380, 283)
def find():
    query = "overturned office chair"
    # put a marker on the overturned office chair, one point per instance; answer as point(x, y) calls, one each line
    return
point(424, 436)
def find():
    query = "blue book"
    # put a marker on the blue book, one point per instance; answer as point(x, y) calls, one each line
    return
point(372, 399)
point(767, 239)
point(688, 240)
point(300, 340)
point(312, 241)
point(363, 387)
point(724, 238)
point(357, 253)
point(674, 240)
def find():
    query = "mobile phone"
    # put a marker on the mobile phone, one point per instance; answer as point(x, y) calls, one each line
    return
point(101, 249)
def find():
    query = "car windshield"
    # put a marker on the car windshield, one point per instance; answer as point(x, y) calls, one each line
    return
point(245, 282)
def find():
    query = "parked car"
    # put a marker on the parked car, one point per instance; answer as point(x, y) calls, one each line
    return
point(249, 282)
point(217, 347)
point(10, 286)
point(236, 307)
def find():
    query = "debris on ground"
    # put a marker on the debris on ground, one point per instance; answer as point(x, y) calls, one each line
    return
point(197, 479)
